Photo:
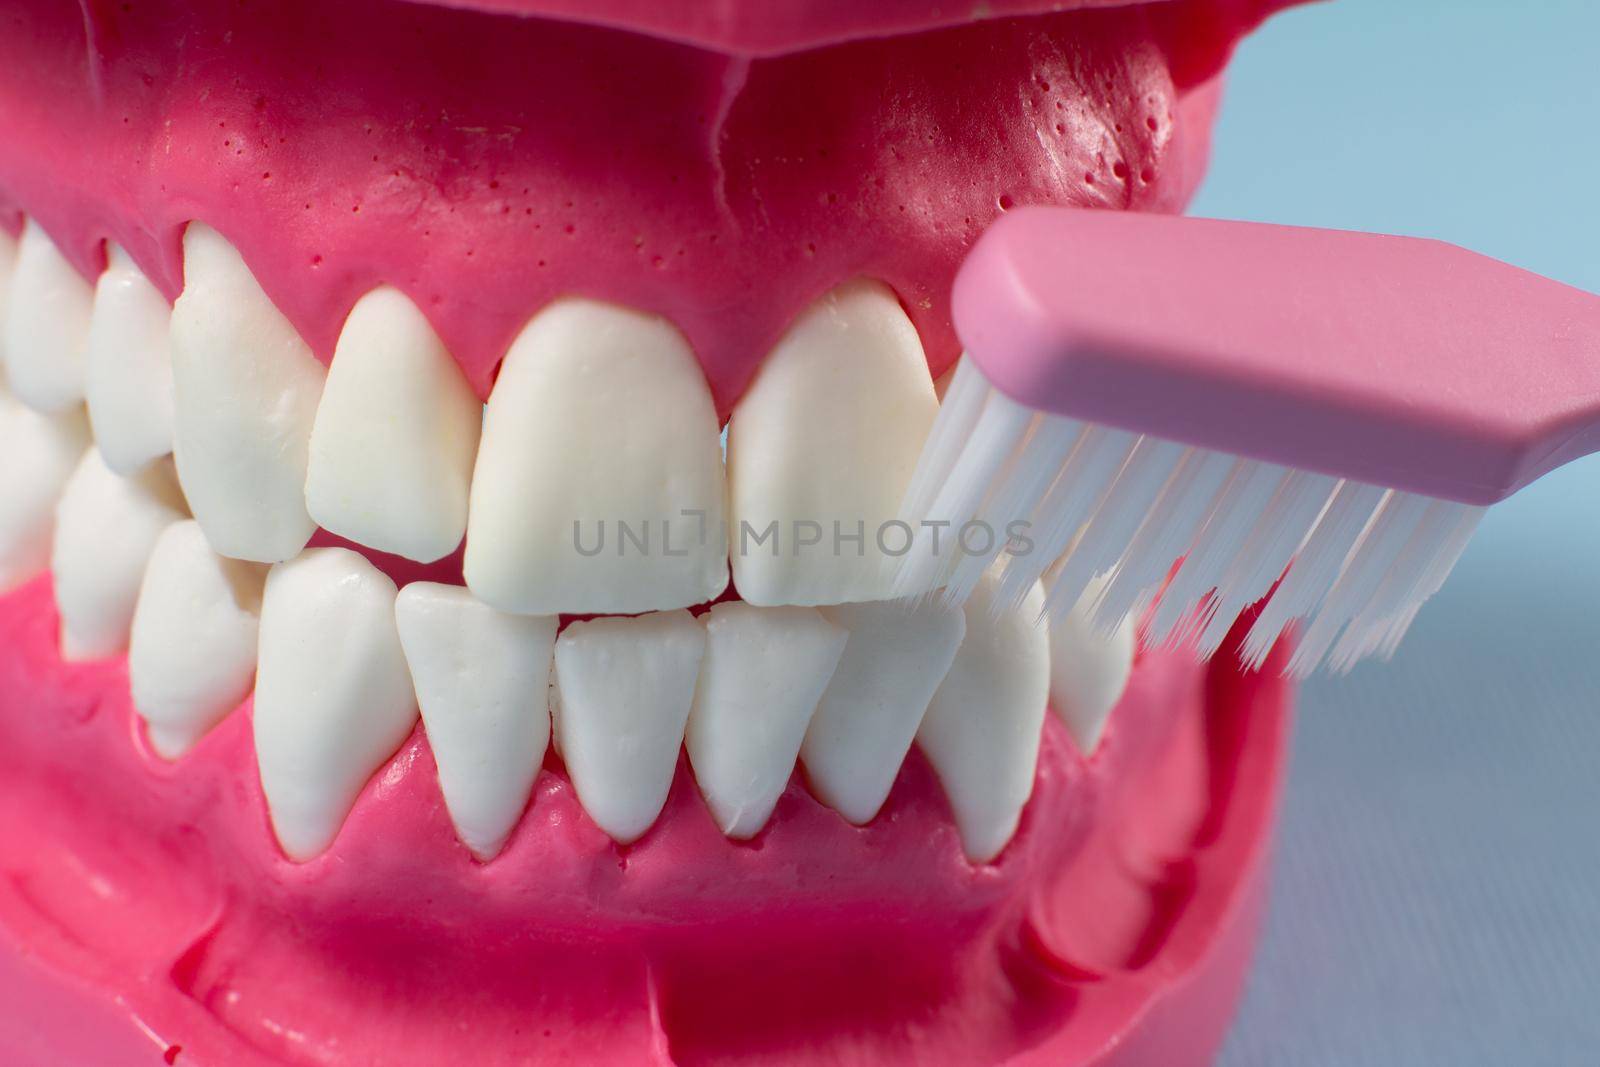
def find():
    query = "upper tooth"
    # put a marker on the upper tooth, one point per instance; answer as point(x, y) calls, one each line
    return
point(600, 416)
point(823, 445)
point(247, 390)
point(395, 436)
point(46, 325)
point(625, 685)
point(765, 669)
point(333, 699)
point(481, 677)
point(1088, 669)
point(129, 376)
point(192, 656)
point(982, 730)
point(896, 657)
point(40, 452)
point(8, 264)
point(106, 526)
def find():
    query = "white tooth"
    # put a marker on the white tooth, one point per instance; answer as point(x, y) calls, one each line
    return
point(129, 372)
point(247, 389)
point(333, 698)
point(8, 264)
point(764, 671)
point(1088, 669)
point(41, 452)
point(626, 685)
point(600, 415)
point(106, 526)
point(826, 440)
point(482, 678)
point(46, 325)
point(395, 436)
point(192, 656)
point(897, 655)
point(982, 729)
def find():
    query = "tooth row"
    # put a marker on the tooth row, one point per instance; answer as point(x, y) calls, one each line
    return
point(593, 482)
point(600, 413)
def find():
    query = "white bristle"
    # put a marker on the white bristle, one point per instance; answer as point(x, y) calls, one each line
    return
point(1354, 561)
point(1025, 480)
point(1249, 490)
point(1102, 542)
point(994, 439)
point(1071, 501)
point(1316, 566)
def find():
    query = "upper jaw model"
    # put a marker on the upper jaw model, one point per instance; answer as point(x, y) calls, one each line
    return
point(450, 463)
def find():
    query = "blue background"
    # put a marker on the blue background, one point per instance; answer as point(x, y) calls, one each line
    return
point(1437, 885)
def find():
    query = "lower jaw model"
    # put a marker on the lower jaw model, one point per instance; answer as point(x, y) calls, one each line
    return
point(446, 531)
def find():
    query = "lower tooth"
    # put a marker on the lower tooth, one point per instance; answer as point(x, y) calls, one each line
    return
point(40, 452)
point(626, 686)
point(46, 325)
point(192, 656)
point(481, 678)
point(333, 697)
point(983, 727)
point(894, 661)
point(765, 669)
point(106, 526)
point(1088, 670)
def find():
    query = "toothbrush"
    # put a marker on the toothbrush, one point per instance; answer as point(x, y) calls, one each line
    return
point(1212, 411)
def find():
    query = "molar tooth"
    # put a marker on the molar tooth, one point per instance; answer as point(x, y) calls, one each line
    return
point(247, 389)
point(897, 655)
point(129, 375)
point(482, 678)
point(395, 435)
point(764, 671)
point(1088, 669)
point(333, 696)
point(41, 452)
point(626, 686)
point(983, 727)
point(106, 527)
point(192, 656)
point(600, 415)
point(829, 433)
point(46, 325)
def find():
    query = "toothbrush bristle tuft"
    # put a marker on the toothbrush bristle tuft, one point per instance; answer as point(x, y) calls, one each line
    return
point(1352, 563)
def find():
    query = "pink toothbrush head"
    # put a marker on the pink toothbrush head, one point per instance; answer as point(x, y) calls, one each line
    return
point(1140, 389)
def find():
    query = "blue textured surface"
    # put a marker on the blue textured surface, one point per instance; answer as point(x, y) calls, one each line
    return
point(1437, 885)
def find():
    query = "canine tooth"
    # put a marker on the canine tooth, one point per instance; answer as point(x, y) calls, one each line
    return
point(827, 438)
point(333, 697)
point(897, 655)
point(129, 374)
point(246, 389)
point(982, 729)
point(764, 671)
point(192, 656)
point(600, 415)
point(626, 686)
point(41, 452)
point(481, 677)
point(106, 527)
point(46, 325)
point(395, 435)
point(1088, 669)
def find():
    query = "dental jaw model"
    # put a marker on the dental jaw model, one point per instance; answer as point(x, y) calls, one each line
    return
point(393, 666)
